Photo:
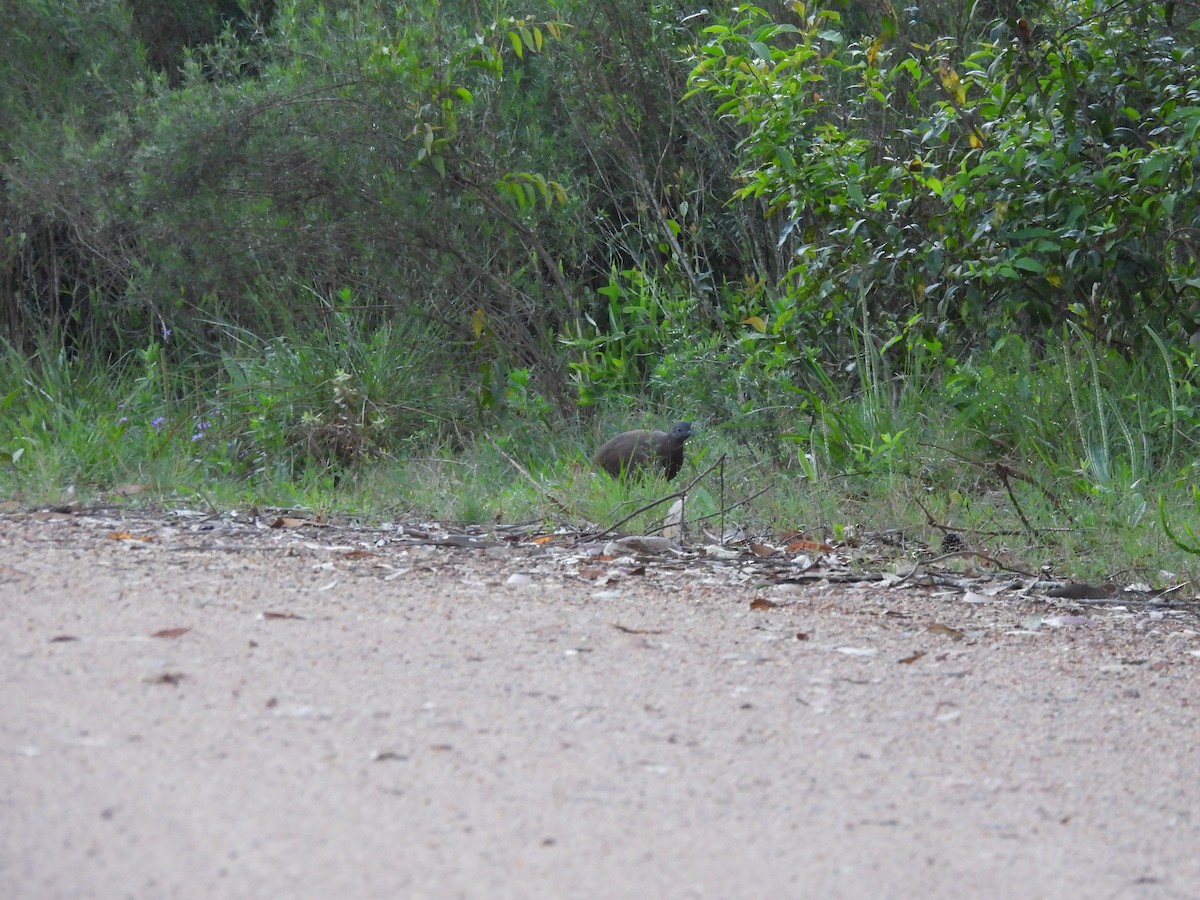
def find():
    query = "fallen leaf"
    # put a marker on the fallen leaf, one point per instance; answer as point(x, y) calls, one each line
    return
point(799, 542)
point(63, 638)
point(802, 635)
point(1064, 621)
point(289, 522)
point(762, 603)
point(627, 630)
point(952, 633)
point(672, 527)
point(126, 536)
point(762, 550)
point(128, 490)
point(359, 554)
point(171, 678)
point(279, 615)
point(171, 632)
point(638, 544)
point(387, 756)
point(544, 539)
point(909, 660)
point(715, 552)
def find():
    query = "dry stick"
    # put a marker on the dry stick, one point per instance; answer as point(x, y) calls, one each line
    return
point(1004, 471)
point(540, 488)
point(933, 523)
point(721, 512)
point(964, 553)
point(721, 481)
point(742, 502)
point(661, 500)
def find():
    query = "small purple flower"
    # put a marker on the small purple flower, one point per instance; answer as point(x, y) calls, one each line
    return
point(201, 427)
point(166, 332)
point(157, 423)
point(122, 420)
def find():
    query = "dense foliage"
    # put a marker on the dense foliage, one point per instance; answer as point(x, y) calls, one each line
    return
point(327, 231)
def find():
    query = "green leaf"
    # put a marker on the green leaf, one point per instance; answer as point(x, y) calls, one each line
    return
point(786, 161)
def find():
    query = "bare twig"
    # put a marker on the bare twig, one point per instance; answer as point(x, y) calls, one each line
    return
point(724, 509)
point(541, 489)
point(675, 495)
point(964, 553)
point(1004, 472)
point(721, 479)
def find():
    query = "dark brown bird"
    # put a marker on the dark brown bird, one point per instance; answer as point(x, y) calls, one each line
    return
point(628, 453)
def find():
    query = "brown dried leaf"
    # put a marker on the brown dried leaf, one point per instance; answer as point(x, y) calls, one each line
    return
point(359, 554)
point(909, 660)
point(797, 541)
point(290, 522)
point(762, 550)
point(802, 635)
point(128, 490)
point(171, 632)
point(126, 536)
point(63, 638)
point(278, 615)
point(763, 603)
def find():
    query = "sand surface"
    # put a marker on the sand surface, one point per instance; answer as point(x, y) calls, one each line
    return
point(356, 713)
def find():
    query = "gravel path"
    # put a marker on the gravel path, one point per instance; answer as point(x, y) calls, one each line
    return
point(354, 719)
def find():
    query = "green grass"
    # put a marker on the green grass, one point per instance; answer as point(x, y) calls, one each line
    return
point(1088, 447)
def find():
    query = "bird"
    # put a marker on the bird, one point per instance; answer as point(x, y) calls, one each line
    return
point(632, 451)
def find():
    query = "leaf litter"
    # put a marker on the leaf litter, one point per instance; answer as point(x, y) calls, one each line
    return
point(885, 574)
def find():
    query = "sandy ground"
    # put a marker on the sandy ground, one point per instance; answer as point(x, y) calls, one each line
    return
point(353, 715)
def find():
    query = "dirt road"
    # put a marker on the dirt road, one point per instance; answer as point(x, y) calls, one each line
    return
point(355, 719)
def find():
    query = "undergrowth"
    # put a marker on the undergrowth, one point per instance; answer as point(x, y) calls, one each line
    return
point(1055, 456)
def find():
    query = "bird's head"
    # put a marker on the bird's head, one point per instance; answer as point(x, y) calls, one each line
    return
point(680, 431)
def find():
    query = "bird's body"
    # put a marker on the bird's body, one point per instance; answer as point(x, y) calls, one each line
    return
point(634, 451)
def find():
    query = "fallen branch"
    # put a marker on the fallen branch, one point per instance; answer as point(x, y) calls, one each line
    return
point(964, 553)
point(659, 502)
